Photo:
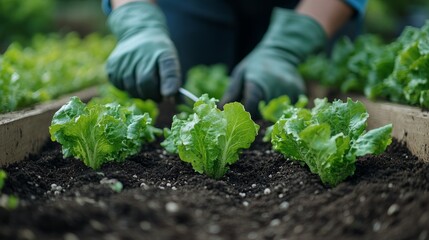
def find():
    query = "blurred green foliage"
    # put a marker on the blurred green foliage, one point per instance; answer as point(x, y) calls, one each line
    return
point(389, 18)
point(21, 19)
point(212, 80)
point(51, 66)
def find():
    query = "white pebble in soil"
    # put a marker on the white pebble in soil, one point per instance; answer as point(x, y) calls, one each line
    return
point(172, 207)
point(275, 222)
point(284, 205)
point(144, 186)
point(267, 191)
point(376, 226)
point(394, 208)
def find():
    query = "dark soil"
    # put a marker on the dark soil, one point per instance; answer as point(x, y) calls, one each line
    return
point(263, 196)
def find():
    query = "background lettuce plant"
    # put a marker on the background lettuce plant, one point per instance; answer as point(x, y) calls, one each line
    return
point(397, 72)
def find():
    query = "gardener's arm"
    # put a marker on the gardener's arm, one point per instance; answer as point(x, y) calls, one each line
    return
point(330, 14)
point(269, 71)
point(144, 62)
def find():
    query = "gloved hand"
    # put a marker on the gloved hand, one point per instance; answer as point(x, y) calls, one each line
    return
point(270, 70)
point(144, 62)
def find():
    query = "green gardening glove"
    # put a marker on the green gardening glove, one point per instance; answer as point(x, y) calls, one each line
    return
point(144, 62)
point(270, 70)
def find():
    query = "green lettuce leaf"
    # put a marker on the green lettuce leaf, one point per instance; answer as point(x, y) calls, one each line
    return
point(329, 138)
point(277, 106)
point(211, 139)
point(97, 133)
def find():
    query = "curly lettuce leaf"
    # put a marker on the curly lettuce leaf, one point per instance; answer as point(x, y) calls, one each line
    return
point(97, 133)
point(329, 138)
point(211, 139)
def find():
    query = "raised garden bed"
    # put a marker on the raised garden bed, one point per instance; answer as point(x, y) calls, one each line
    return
point(263, 196)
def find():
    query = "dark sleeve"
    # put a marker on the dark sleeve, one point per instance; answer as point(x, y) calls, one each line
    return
point(358, 6)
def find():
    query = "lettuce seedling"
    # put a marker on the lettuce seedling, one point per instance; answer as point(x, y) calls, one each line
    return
point(97, 133)
point(211, 139)
point(329, 138)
